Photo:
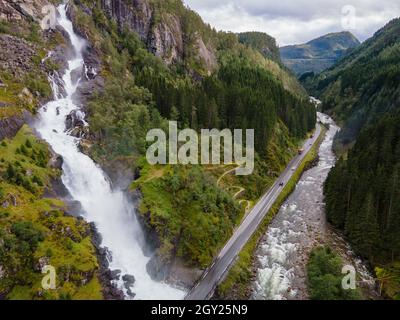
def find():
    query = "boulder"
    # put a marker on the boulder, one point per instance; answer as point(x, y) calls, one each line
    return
point(129, 281)
point(75, 119)
point(115, 274)
point(56, 161)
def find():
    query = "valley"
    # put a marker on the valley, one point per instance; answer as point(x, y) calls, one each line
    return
point(78, 192)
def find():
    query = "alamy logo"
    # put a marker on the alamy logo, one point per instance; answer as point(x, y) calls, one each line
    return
point(49, 20)
point(49, 280)
point(208, 148)
point(349, 17)
point(349, 280)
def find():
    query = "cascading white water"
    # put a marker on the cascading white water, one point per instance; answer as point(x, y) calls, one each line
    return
point(108, 209)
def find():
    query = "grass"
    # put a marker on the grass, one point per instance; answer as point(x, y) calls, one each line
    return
point(66, 242)
point(191, 215)
point(239, 276)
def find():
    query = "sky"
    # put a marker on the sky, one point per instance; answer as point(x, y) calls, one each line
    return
point(297, 21)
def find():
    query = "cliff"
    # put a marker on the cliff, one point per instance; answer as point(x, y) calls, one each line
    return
point(162, 28)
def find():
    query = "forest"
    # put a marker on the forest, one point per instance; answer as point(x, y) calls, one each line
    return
point(362, 195)
point(364, 85)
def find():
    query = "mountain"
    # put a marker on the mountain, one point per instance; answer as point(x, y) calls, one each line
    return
point(363, 191)
point(146, 62)
point(262, 42)
point(364, 85)
point(318, 54)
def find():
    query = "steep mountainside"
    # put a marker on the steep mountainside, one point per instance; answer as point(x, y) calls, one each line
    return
point(362, 191)
point(364, 85)
point(261, 42)
point(147, 61)
point(318, 54)
point(363, 199)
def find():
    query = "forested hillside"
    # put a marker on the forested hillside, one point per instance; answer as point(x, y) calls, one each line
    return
point(242, 90)
point(364, 85)
point(148, 61)
point(363, 198)
point(262, 42)
point(362, 191)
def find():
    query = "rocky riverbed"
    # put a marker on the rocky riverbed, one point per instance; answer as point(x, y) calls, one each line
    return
point(300, 226)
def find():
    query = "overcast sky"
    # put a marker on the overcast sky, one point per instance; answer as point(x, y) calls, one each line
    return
point(297, 21)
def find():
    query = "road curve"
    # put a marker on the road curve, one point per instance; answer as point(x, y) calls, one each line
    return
point(215, 273)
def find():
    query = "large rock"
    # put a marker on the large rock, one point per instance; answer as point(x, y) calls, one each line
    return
point(163, 34)
point(137, 15)
point(16, 10)
point(10, 126)
point(166, 40)
point(75, 119)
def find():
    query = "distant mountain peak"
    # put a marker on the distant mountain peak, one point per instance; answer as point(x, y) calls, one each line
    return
point(318, 54)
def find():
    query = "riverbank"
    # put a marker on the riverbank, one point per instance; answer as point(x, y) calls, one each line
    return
point(279, 269)
point(237, 283)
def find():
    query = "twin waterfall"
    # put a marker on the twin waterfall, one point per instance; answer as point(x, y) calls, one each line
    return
point(109, 209)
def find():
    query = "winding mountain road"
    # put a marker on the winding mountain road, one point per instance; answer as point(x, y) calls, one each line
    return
point(228, 255)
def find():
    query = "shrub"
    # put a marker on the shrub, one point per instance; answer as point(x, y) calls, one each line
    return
point(325, 277)
point(26, 231)
point(28, 144)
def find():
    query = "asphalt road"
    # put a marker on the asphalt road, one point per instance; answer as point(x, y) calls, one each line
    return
point(215, 273)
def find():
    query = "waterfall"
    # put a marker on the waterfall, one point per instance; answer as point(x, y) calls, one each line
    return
point(109, 209)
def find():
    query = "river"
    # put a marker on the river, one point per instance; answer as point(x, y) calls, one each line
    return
point(108, 208)
point(300, 226)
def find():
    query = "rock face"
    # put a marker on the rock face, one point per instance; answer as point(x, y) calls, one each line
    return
point(164, 39)
point(106, 277)
point(16, 55)
point(162, 32)
point(10, 126)
point(15, 10)
point(136, 14)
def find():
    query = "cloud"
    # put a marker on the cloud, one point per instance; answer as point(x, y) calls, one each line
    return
point(296, 21)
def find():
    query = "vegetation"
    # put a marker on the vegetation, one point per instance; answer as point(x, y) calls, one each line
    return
point(190, 213)
point(127, 107)
point(25, 87)
point(141, 92)
point(318, 54)
point(261, 42)
point(325, 277)
point(364, 85)
point(236, 282)
point(34, 230)
point(363, 193)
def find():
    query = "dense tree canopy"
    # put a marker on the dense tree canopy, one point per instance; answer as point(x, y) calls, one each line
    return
point(363, 193)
